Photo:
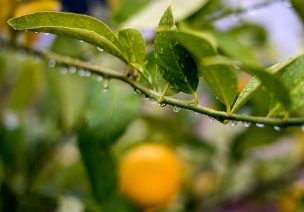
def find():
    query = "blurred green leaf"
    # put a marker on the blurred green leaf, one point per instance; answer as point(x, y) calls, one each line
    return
point(250, 33)
point(127, 9)
point(174, 62)
point(77, 26)
point(134, 44)
point(70, 92)
point(26, 85)
point(100, 165)
point(252, 138)
point(268, 80)
point(292, 78)
point(254, 84)
point(118, 106)
point(298, 6)
point(231, 46)
point(148, 17)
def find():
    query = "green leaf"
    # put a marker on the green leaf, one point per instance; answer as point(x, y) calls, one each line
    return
point(27, 85)
point(118, 106)
point(222, 81)
point(99, 163)
point(70, 92)
point(269, 81)
point(174, 62)
point(148, 17)
point(293, 79)
point(134, 45)
point(77, 26)
point(128, 8)
point(298, 7)
point(232, 47)
point(254, 84)
point(152, 73)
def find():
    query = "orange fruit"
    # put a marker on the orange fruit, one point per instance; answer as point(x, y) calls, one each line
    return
point(150, 175)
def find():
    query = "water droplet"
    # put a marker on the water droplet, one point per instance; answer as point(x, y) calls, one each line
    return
point(234, 123)
point(100, 49)
point(99, 78)
point(36, 32)
point(251, 12)
point(63, 70)
point(82, 72)
point(235, 18)
point(175, 109)
point(88, 74)
point(246, 124)
point(260, 125)
point(47, 33)
point(81, 41)
point(52, 63)
point(211, 119)
point(287, 3)
point(10, 120)
point(162, 104)
point(153, 101)
point(36, 59)
point(106, 85)
point(137, 91)
point(72, 69)
point(277, 128)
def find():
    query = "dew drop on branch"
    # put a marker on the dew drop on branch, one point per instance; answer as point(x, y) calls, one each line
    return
point(162, 104)
point(63, 70)
point(175, 109)
point(100, 49)
point(234, 123)
point(246, 124)
point(260, 125)
point(72, 69)
point(52, 63)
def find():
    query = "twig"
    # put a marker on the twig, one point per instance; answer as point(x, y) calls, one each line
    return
point(228, 12)
point(218, 115)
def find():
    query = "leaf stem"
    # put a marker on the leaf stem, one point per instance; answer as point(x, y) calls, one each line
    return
point(219, 115)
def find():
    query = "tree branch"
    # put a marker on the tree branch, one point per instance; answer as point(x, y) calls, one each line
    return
point(239, 11)
point(218, 115)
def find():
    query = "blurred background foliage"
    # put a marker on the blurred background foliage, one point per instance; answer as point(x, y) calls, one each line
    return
point(63, 131)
